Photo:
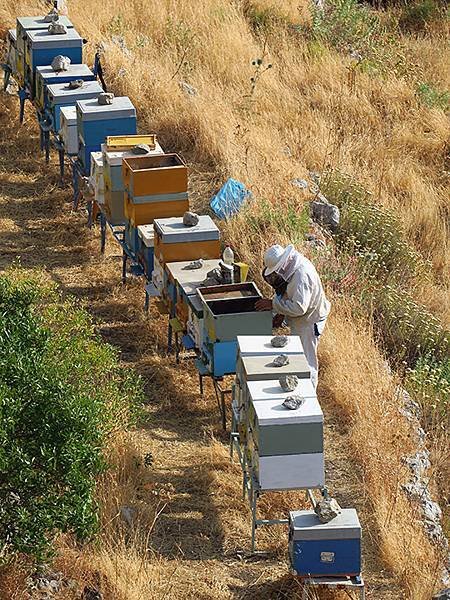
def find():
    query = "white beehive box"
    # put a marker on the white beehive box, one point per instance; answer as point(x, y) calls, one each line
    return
point(147, 235)
point(68, 129)
point(96, 177)
point(286, 446)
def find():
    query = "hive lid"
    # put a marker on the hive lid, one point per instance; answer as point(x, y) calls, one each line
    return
point(147, 235)
point(270, 389)
point(115, 157)
point(259, 345)
point(68, 115)
point(172, 230)
point(74, 70)
point(261, 367)
point(13, 34)
point(126, 142)
point(305, 525)
point(59, 92)
point(41, 38)
point(272, 412)
point(91, 110)
point(190, 280)
point(30, 23)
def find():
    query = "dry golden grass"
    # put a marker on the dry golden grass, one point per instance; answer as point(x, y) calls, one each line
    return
point(189, 519)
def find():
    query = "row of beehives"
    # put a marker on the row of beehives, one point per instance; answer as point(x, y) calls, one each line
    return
point(149, 194)
point(65, 97)
point(283, 449)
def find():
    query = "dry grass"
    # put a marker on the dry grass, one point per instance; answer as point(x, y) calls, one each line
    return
point(189, 519)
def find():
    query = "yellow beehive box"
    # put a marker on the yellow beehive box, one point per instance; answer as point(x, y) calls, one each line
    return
point(122, 142)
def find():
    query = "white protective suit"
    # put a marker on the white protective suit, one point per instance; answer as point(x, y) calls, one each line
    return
point(304, 304)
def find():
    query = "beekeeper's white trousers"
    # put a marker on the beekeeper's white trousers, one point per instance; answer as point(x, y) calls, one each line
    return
point(309, 335)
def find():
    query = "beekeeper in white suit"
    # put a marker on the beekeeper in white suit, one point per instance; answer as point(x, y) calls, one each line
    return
point(299, 297)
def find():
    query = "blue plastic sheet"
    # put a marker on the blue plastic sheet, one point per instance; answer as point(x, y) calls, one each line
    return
point(229, 200)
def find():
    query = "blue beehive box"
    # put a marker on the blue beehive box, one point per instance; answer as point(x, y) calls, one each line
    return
point(325, 549)
point(25, 24)
point(45, 76)
point(59, 95)
point(98, 121)
point(42, 47)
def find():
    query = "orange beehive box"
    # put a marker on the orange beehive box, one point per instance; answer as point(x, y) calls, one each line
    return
point(175, 241)
point(144, 214)
point(148, 175)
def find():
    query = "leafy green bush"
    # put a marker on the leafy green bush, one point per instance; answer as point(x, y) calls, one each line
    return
point(429, 382)
point(388, 268)
point(417, 15)
point(62, 394)
point(432, 97)
point(291, 219)
point(347, 25)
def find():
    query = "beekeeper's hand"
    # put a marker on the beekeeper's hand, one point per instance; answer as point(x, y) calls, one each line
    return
point(263, 304)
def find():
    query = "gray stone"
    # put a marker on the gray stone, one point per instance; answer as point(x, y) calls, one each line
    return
point(61, 63)
point(74, 85)
point(127, 513)
point(195, 264)
point(279, 341)
point(280, 361)
point(190, 219)
point(442, 595)
point(418, 462)
point(288, 383)
point(105, 98)
point(300, 183)
point(327, 509)
point(141, 149)
point(188, 88)
point(51, 16)
point(324, 213)
point(293, 402)
point(56, 28)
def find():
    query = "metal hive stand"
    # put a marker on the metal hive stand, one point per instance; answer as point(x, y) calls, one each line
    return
point(348, 583)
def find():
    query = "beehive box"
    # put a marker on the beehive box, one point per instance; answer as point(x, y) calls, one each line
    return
point(98, 121)
point(325, 549)
point(68, 129)
point(156, 188)
point(46, 76)
point(131, 237)
point(177, 242)
point(59, 95)
point(146, 235)
point(11, 50)
point(96, 177)
point(260, 345)
point(26, 24)
point(112, 159)
point(229, 311)
point(41, 47)
point(187, 282)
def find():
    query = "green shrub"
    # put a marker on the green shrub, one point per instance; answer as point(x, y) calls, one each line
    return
point(291, 219)
point(417, 15)
point(62, 394)
point(432, 97)
point(347, 25)
point(429, 383)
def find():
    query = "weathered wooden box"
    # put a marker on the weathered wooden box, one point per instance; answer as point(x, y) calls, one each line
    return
point(146, 248)
point(68, 129)
point(96, 177)
point(11, 50)
point(325, 549)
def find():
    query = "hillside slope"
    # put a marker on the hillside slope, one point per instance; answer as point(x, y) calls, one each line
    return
point(314, 109)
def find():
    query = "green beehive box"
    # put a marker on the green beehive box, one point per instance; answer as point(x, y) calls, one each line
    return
point(229, 311)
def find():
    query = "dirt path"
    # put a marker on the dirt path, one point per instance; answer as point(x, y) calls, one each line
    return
point(204, 524)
